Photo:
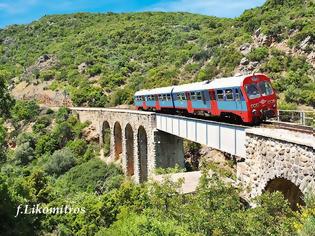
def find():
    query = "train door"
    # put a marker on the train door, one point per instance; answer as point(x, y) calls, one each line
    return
point(213, 102)
point(189, 103)
point(144, 104)
point(157, 102)
point(238, 99)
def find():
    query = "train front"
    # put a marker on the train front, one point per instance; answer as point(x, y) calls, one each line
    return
point(261, 99)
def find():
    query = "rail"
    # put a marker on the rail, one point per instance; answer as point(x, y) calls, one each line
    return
point(305, 118)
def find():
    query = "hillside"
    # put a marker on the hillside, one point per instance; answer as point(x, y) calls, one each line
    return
point(101, 59)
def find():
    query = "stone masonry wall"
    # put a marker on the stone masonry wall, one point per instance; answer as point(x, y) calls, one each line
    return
point(271, 154)
point(163, 150)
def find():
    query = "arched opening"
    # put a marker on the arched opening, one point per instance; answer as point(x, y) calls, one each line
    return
point(143, 153)
point(117, 140)
point(129, 149)
point(290, 191)
point(106, 138)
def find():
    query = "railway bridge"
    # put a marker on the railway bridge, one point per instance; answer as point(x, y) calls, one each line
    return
point(272, 159)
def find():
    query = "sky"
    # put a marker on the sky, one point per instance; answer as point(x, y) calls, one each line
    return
point(26, 11)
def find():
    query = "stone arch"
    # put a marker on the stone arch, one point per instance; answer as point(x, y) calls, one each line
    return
point(117, 140)
point(106, 138)
point(290, 191)
point(129, 138)
point(143, 153)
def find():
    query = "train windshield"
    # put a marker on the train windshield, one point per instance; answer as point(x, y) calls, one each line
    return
point(252, 91)
point(265, 88)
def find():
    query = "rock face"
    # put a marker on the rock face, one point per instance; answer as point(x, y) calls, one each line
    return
point(244, 61)
point(83, 67)
point(269, 158)
point(245, 48)
point(44, 62)
point(305, 42)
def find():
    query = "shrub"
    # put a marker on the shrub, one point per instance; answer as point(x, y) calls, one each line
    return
point(78, 147)
point(47, 75)
point(97, 177)
point(258, 54)
point(62, 114)
point(25, 110)
point(41, 124)
point(60, 162)
point(24, 154)
point(26, 138)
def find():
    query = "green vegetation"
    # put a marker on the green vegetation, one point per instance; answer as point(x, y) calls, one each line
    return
point(44, 158)
point(120, 53)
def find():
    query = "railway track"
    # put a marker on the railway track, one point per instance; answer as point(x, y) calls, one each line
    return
point(289, 126)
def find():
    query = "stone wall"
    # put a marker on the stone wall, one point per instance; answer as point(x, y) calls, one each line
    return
point(170, 150)
point(151, 148)
point(272, 154)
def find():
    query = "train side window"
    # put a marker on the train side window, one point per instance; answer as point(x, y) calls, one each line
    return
point(198, 96)
point(192, 96)
point(169, 97)
point(180, 96)
point(229, 94)
point(184, 96)
point(220, 95)
point(237, 95)
point(160, 97)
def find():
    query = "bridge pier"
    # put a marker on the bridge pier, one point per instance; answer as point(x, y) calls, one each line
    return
point(169, 150)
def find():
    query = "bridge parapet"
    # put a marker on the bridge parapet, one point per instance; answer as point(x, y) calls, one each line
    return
point(225, 137)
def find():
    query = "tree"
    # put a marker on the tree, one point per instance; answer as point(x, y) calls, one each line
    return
point(25, 110)
point(2, 141)
point(60, 162)
point(24, 153)
point(6, 102)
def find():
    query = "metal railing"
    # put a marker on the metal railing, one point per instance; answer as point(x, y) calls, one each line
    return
point(306, 118)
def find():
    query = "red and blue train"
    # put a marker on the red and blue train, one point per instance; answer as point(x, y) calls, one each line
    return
point(249, 98)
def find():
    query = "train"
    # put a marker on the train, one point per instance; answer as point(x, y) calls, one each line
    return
point(249, 99)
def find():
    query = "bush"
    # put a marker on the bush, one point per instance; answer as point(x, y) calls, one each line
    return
point(46, 144)
point(77, 146)
point(24, 154)
point(41, 124)
point(60, 162)
point(2, 141)
point(62, 114)
point(26, 138)
point(97, 177)
point(258, 54)
point(25, 110)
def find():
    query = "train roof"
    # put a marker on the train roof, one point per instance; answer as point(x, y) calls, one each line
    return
point(228, 82)
point(163, 90)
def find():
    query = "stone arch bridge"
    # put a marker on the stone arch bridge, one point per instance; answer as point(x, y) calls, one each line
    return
point(133, 140)
point(267, 159)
